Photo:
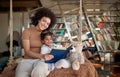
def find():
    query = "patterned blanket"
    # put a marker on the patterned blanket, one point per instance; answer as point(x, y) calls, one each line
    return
point(86, 70)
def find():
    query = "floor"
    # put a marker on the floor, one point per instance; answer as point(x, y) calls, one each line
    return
point(102, 73)
point(107, 70)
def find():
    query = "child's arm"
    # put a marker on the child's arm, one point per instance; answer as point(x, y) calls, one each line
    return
point(46, 51)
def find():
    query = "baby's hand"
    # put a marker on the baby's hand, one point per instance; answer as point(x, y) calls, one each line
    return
point(48, 57)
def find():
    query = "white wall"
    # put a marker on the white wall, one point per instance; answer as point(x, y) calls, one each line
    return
point(20, 20)
point(3, 31)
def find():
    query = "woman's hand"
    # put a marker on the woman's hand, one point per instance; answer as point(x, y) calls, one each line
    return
point(48, 57)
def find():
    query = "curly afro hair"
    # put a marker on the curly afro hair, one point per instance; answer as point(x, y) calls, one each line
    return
point(43, 12)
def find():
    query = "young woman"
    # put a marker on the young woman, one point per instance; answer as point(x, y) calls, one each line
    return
point(42, 20)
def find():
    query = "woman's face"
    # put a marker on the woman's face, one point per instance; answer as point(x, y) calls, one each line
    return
point(44, 23)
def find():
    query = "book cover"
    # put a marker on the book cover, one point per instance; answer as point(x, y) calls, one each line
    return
point(58, 54)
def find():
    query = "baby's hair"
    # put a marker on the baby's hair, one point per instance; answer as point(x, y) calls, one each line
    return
point(45, 33)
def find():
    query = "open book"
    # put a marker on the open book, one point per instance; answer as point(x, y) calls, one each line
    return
point(58, 54)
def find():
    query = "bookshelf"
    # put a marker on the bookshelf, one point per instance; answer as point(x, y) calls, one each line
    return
point(106, 34)
point(115, 17)
point(87, 37)
point(104, 38)
point(73, 27)
point(67, 29)
point(101, 26)
point(58, 30)
point(59, 33)
point(78, 33)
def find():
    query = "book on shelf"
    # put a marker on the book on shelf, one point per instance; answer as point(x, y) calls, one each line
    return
point(107, 45)
point(74, 26)
point(84, 23)
point(99, 37)
point(85, 29)
point(84, 45)
point(58, 26)
point(105, 18)
point(87, 43)
point(89, 34)
point(98, 19)
point(54, 27)
point(60, 32)
point(58, 54)
point(101, 25)
point(84, 37)
point(91, 42)
point(99, 46)
point(108, 36)
point(103, 45)
point(74, 32)
point(105, 37)
point(110, 30)
point(113, 37)
point(92, 25)
point(105, 31)
point(101, 31)
point(92, 18)
point(59, 38)
point(95, 24)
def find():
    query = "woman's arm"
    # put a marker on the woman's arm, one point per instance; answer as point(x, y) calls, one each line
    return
point(26, 45)
point(28, 52)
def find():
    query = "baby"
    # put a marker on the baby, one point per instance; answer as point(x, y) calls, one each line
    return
point(46, 38)
point(76, 56)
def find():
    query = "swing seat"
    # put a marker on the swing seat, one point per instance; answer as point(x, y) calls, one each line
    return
point(86, 70)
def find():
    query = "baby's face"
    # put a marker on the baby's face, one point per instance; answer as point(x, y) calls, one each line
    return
point(48, 40)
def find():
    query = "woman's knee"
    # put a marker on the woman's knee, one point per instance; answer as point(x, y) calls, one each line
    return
point(23, 70)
